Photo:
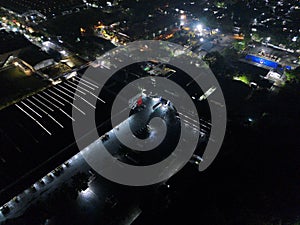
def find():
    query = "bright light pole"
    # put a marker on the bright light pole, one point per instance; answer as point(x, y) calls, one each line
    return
point(182, 20)
point(268, 40)
point(199, 27)
point(183, 17)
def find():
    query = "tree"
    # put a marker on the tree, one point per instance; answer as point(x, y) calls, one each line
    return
point(230, 53)
point(80, 181)
point(293, 75)
point(216, 62)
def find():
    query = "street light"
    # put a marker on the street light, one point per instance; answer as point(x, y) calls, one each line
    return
point(87, 193)
point(295, 38)
point(268, 39)
point(199, 27)
point(182, 20)
point(183, 17)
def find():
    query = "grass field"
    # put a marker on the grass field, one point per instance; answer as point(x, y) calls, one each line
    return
point(15, 85)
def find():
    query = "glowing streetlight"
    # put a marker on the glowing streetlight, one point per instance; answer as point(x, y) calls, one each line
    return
point(183, 17)
point(87, 193)
point(199, 27)
point(268, 40)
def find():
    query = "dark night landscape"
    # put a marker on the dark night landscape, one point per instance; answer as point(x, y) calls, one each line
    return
point(48, 49)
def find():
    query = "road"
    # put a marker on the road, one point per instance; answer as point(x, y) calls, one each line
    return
point(99, 189)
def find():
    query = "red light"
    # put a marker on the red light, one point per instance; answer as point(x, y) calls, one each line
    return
point(140, 101)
